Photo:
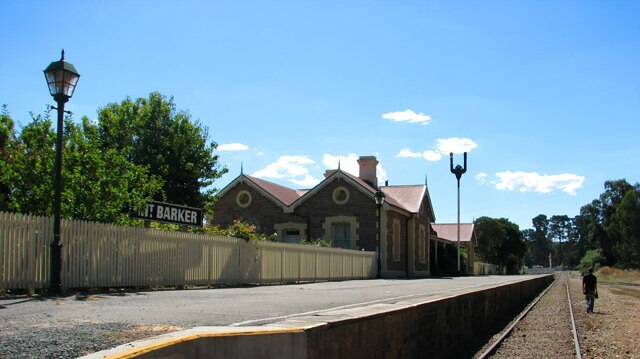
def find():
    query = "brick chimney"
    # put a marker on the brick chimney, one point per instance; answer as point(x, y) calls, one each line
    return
point(368, 170)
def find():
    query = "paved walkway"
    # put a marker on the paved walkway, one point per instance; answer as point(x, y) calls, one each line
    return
point(240, 306)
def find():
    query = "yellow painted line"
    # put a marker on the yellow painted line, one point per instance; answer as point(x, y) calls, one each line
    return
point(132, 353)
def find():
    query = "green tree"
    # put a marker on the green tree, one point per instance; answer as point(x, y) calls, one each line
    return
point(539, 244)
point(8, 142)
point(559, 226)
point(610, 200)
point(513, 247)
point(489, 236)
point(101, 184)
point(591, 223)
point(151, 132)
point(31, 168)
point(627, 217)
point(98, 184)
point(500, 242)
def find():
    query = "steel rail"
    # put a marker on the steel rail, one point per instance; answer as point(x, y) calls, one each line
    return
point(576, 341)
point(491, 350)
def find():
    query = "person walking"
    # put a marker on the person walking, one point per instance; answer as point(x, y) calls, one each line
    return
point(590, 289)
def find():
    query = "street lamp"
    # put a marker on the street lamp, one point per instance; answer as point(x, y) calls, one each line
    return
point(62, 78)
point(379, 202)
point(458, 171)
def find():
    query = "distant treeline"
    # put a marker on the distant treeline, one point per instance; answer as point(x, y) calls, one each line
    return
point(606, 232)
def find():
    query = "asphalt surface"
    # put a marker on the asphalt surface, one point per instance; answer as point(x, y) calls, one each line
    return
point(239, 306)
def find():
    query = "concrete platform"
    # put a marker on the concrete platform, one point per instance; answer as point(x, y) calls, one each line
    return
point(414, 327)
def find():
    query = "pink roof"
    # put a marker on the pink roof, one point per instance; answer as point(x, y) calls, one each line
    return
point(405, 197)
point(283, 194)
point(449, 231)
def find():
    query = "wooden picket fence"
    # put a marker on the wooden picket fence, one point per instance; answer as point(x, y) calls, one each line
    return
point(96, 255)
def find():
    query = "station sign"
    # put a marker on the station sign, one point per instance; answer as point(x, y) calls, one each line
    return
point(170, 213)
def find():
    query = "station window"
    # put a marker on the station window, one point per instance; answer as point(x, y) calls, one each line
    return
point(243, 199)
point(291, 236)
point(341, 235)
point(340, 195)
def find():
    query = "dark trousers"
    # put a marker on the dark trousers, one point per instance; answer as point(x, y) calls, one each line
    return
point(590, 297)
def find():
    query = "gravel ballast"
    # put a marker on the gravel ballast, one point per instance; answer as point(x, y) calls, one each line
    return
point(545, 332)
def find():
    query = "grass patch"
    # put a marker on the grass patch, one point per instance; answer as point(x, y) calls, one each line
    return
point(632, 292)
point(615, 275)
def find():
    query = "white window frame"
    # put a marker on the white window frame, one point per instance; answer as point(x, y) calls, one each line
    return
point(327, 226)
point(280, 228)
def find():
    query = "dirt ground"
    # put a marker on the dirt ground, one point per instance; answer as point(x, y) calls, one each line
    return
point(613, 330)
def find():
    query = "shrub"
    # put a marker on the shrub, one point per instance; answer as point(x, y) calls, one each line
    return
point(318, 242)
point(246, 231)
point(591, 259)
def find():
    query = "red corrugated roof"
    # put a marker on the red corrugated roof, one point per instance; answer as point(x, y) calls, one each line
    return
point(408, 198)
point(283, 194)
point(449, 231)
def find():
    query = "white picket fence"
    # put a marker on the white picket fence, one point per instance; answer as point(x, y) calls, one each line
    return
point(96, 255)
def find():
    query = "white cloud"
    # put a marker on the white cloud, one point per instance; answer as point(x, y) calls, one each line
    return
point(406, 153)
point(427, 155)
point(444, 146)
point(233, 147)
point(349, 163)
point(482, 177)
point(455, 145)
point(286, 167)
point(407, 116)
point(381, 173)
point(534, 182)
point(308, 181)
point(295, 169)
point(431, 156)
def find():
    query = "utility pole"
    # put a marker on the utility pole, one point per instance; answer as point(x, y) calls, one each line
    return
point(458, 171)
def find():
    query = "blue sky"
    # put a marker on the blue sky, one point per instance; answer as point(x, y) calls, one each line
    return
point(544, 95)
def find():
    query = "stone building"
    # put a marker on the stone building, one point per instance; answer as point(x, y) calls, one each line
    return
point(341, 209)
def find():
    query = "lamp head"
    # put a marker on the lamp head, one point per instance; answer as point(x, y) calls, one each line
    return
point(62, 78)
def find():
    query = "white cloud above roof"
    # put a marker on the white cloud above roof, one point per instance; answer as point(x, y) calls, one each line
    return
point(427, 155)
point(407, 116)
point(535, 182)
point(296, 169)
point(444, 146)
point(308, 181)
point(288, 167)
point(349, 163)
point(233, 147)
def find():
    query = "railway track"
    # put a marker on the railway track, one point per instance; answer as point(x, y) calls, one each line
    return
point(545, 329)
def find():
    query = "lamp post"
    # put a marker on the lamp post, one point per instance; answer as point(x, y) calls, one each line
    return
point(458, 171)
point(379, 202)
point(62, 78)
